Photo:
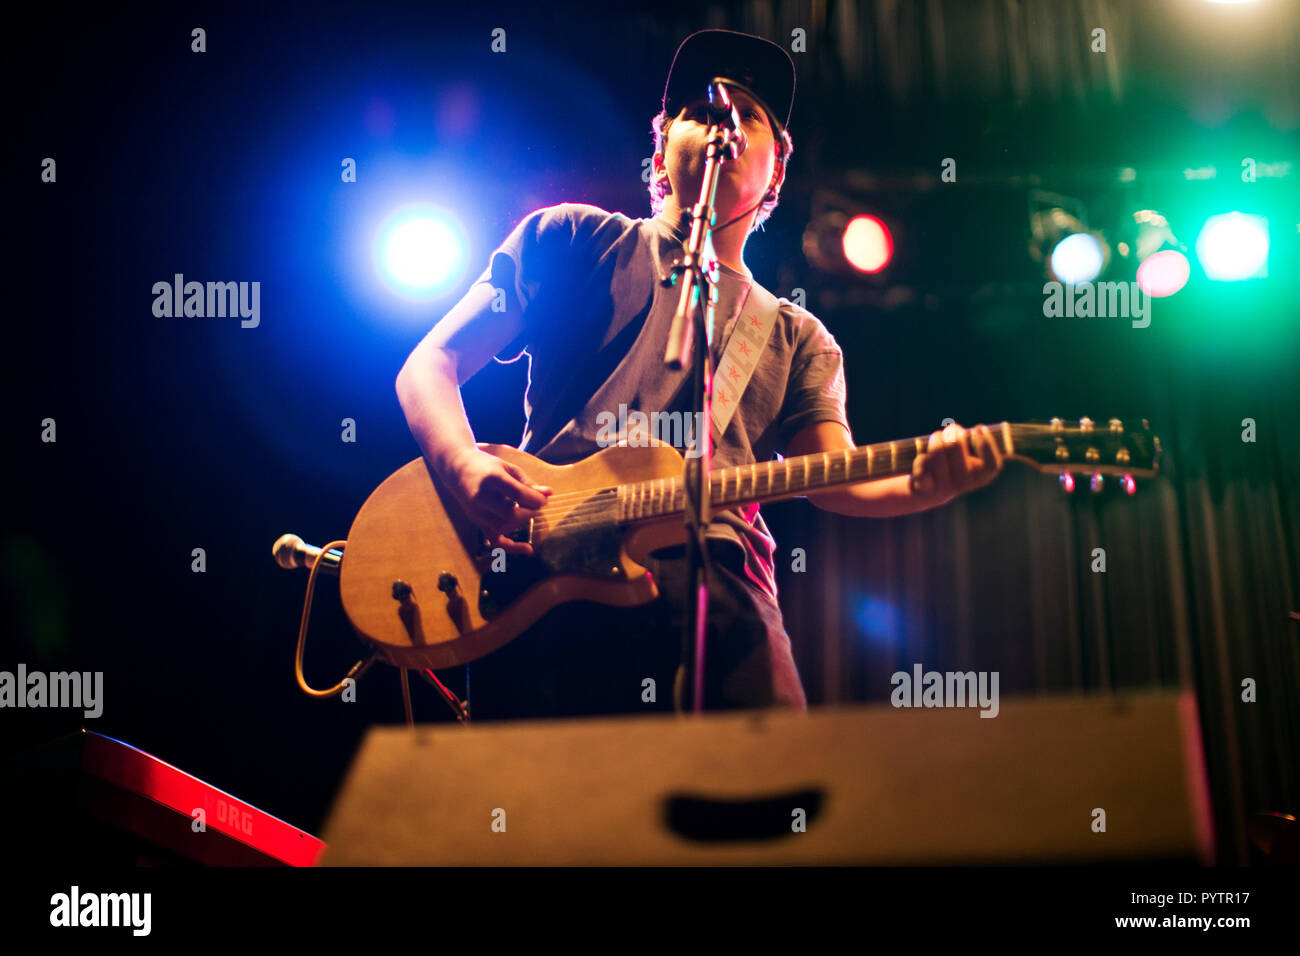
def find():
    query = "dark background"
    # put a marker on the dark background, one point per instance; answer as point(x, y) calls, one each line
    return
point(182, 433)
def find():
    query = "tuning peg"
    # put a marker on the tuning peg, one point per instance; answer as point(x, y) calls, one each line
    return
point(1097, 483)
point(1067, 482)
point(1086, 424)
point(1129, 484)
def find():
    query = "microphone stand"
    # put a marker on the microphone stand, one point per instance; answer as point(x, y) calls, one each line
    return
point(692, 327)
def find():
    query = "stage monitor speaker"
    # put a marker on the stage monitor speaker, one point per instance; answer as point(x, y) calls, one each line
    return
point(1047, 780)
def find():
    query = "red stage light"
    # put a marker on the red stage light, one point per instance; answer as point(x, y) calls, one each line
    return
point(867, 244)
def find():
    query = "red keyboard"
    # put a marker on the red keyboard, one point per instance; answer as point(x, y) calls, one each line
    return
point(155, 800)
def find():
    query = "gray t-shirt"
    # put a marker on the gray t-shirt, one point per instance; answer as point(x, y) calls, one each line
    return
point(596, 324)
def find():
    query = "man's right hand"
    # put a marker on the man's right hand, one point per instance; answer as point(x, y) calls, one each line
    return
point(496, 495)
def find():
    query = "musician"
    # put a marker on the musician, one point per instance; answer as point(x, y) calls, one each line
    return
point(580, 293)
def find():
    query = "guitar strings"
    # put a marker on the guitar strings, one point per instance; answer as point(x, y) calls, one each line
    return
point(907, 454)
point(592, 509)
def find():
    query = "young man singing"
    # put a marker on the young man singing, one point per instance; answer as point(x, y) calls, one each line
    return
point(584, 301)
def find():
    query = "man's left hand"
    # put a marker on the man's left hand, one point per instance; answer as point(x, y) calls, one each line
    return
point(957, 460)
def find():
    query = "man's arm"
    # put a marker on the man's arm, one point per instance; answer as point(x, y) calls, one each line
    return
point(942, 473)
point(495, 494)
point(428, 385)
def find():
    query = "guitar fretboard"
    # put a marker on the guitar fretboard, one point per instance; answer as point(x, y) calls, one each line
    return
point(774, 480)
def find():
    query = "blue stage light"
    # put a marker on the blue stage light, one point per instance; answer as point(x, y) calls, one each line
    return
point(877, 619)
point(420, 251)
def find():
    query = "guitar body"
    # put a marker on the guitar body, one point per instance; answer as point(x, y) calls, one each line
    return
point(412, 533)
point(421, 586)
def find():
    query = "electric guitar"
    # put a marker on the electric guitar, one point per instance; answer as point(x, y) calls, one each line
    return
point(420, 584)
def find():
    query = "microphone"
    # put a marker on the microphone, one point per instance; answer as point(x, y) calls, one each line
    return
point(291, 552)
point(722, 112)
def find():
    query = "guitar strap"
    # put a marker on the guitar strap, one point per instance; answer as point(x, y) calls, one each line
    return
point(745, 347)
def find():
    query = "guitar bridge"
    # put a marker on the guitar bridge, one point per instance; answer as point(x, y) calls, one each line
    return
point(523, 534)
point(505, 577)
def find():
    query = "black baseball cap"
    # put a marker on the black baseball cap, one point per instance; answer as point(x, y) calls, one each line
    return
point(760, 65)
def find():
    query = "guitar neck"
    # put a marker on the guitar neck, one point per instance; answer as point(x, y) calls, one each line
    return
point(788, 478)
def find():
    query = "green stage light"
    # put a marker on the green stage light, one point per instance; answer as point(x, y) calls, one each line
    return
point(1233, 246)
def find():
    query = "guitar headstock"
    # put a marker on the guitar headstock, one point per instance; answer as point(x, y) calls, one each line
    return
point(1086, 447)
